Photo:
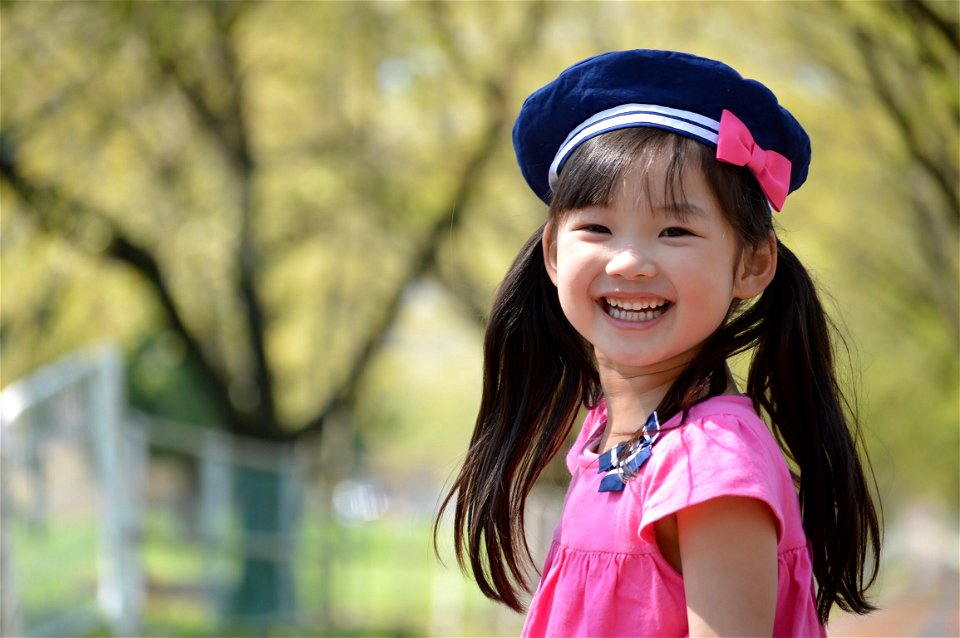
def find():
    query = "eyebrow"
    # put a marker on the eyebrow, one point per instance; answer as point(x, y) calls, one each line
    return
point(681, 210)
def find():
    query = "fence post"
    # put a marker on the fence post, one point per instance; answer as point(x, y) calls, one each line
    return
point(120, 587)
point(9, 622)
point(216, 490)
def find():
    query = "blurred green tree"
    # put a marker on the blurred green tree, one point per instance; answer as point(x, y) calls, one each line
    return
point(892, 152)
point(275, 195)
point(909, 62)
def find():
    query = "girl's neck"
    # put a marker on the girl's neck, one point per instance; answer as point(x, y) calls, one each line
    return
point(631, 399)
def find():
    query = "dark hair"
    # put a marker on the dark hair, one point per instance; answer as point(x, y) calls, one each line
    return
point(538, 372)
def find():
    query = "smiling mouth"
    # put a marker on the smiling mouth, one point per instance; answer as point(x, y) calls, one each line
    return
point(645, 310)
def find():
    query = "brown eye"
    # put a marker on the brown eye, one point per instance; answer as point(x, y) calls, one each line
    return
point(675, 231)
point(595, 228)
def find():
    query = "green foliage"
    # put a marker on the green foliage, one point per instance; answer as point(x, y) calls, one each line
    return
point(294, 169)
point(163, 383)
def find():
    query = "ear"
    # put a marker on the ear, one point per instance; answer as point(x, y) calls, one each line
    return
point(549, 242)
point(756, 269)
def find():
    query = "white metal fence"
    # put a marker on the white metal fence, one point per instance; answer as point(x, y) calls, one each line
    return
point(118, 522)
point(68, 563)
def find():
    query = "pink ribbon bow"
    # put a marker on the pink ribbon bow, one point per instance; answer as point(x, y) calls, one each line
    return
point(735, 145)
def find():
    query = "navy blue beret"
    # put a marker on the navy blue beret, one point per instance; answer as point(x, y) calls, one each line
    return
point(690, 95)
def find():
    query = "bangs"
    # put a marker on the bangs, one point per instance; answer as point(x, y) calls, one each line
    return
point(593, 172)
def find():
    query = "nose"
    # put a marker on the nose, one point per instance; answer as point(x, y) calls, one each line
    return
point(630, 263)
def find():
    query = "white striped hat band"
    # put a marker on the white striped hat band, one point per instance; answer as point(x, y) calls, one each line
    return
point(633, 115)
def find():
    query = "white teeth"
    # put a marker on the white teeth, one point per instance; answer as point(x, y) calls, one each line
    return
point(646, 310)
point(645, 304)
point(628, 315)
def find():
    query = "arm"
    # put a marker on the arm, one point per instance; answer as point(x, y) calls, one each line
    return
point(728, 549)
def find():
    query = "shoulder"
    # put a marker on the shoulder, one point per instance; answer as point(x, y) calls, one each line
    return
point(730, 410)
point(722, 426)
point(722, 449)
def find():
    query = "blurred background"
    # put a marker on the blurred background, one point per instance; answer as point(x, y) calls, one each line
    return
point(247, 254)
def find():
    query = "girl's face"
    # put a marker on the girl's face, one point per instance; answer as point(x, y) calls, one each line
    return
point(649, 277)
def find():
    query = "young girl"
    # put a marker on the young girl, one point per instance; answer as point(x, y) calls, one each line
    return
point(660, 261)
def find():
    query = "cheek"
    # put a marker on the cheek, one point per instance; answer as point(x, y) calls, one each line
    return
point(569, 288)
point(710, 287)
point(573, 279)
point(570, 263)
point(575, 270)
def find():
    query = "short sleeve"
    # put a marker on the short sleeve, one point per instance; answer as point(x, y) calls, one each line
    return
point(711, 457)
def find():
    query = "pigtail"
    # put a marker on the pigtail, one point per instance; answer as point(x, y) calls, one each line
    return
point(537, 372)
point(792, 379)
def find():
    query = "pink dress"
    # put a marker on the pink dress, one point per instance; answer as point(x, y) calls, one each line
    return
point(604, 574)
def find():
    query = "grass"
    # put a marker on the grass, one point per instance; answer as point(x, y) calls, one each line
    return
point(55, 568)
point(379, 578)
